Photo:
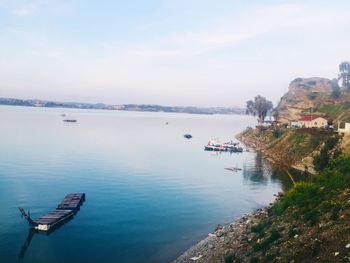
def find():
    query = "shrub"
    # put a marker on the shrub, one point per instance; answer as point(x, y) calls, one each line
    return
point(310, 199)
point(259, 228)
point(277, 133)
point(313, 95)
point(335, 211)
point(322, 159)
point(264, 245)
point(311, 82)
point(229, 259)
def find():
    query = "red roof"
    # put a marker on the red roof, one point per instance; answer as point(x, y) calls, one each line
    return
point(308, 118)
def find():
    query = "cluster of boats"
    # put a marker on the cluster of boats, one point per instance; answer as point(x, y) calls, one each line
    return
point(223, 147)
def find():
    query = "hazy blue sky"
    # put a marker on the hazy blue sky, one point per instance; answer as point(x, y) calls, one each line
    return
point(180, 52)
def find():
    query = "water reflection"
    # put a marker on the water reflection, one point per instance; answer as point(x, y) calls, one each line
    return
point(26, 244)
point(261, 172)
point(32, 232)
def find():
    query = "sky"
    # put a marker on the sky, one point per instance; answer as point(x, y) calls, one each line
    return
point(179, 52)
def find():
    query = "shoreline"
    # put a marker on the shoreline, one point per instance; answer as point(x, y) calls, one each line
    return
point(232, 240)
point(229, 242)
point(274, 158)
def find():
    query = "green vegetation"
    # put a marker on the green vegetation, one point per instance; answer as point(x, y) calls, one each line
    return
point(288, 145)
point(311, 82)
point(277, 133)
point(310, 222)
point(266, 243)
point(260, 227)
point(335, 89)
point(310, 200)
point(313, 95)
point(229, 259)
point(326, 153)
point(332, 110)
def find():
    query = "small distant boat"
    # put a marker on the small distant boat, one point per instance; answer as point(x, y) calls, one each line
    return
point(233, 169)
point(63, 115)
point(70, 120)
point(188, 136)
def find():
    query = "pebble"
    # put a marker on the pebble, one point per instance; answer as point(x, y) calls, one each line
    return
point(347, 245)
point(336, 253)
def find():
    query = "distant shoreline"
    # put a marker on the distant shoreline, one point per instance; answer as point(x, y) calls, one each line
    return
point(123, 107)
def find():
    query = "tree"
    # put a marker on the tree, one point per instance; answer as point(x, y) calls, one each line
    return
point(276, 114)
point(335, 89)
point(259, 107)
point(344, 75)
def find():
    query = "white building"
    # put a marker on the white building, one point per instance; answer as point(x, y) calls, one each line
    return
point(310, 121)
point(343, 127)
point(295, 124)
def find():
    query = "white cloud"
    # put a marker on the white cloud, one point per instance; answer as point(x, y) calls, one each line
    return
point(49, 53)
point(22, 12)
point(191, 61)
point(25, 8)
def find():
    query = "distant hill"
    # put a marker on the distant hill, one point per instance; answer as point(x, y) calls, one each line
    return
point(123, 107)
point(313, 96)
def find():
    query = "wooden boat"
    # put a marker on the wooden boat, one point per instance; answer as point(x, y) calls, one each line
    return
point(64, 211)
point(233, 169)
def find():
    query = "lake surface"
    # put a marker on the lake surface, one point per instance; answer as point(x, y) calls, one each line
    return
point(150, 193)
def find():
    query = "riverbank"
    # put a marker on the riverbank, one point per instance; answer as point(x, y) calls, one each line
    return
point(287, 148)
point(228, 243)
point(309, 223)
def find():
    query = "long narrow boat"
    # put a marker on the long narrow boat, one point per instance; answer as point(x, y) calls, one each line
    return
point(64, 211)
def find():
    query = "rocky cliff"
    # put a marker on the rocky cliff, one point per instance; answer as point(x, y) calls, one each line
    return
point(313, 96)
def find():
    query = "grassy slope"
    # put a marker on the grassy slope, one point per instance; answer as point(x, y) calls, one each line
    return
point(311, 223)
point(288, 146)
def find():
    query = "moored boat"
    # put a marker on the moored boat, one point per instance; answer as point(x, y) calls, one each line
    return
point(214, 145)
point(64, 211)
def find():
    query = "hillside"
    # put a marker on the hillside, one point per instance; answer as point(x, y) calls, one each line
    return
point(298, 148)
point(313, 95)
point(288, 147)
point(122, 107)
point(310, 223)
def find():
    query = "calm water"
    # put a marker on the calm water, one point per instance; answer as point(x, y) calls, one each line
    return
point(150, 193)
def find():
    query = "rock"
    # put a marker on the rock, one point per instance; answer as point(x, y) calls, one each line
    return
point(196, 258)
point(211, 246)
point(219, 233)
point(218, 227)
point(336, 253)
point(347, 245)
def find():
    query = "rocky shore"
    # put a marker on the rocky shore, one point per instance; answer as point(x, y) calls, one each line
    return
point(277, 157)
point(228, 243)
point(262, 147)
